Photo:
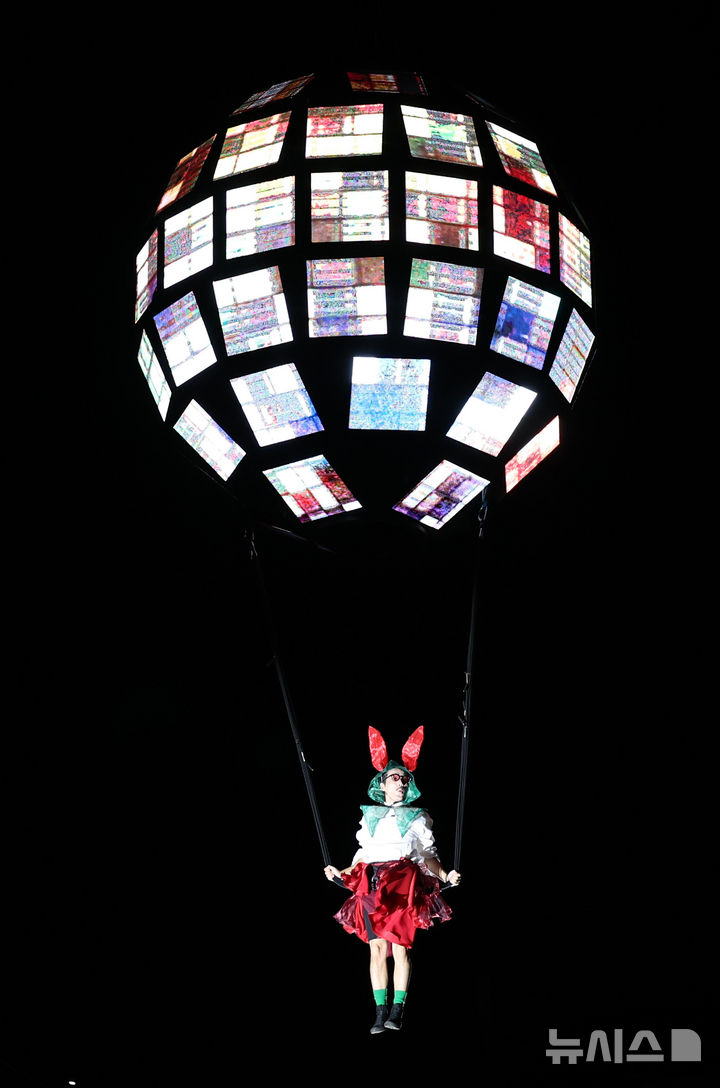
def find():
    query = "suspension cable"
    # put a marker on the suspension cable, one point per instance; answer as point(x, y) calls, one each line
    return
point(289, 709)
point(466, 718)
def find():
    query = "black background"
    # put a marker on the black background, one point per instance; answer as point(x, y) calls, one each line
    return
point(167, 916)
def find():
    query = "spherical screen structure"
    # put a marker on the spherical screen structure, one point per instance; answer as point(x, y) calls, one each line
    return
point(365, 295)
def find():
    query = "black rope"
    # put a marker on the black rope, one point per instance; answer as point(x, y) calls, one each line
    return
point(290, 710)
point(466, 718)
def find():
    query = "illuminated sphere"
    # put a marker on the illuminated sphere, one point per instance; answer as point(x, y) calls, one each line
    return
point(364, 295)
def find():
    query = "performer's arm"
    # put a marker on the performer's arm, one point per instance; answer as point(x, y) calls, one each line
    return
point(435, 866)
point(331, 872)
point(428, 851)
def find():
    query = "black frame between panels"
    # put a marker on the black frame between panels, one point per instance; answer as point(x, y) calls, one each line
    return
point(380, 468)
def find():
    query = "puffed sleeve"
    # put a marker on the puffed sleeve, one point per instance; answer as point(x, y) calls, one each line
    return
point(423, 838)
point(363, 837)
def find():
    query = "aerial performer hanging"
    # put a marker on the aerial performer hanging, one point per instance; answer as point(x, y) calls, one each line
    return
point(394, 876)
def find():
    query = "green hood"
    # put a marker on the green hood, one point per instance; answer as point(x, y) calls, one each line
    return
point(376, 794)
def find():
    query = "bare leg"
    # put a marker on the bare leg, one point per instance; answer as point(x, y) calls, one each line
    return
point(379, 981)
point(378, 964)
point(402, 968)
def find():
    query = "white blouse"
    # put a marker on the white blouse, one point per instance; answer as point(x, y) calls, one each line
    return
point(387, 844)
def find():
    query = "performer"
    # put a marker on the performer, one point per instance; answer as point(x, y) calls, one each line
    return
point(394, 877)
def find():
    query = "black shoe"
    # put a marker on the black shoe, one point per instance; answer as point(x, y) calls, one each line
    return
point(394, 1020)
point(380, 1018)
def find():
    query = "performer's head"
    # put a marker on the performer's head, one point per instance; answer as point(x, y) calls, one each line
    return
point(395, 782)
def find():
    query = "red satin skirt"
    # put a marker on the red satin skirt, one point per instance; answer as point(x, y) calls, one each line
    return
point(396, 898)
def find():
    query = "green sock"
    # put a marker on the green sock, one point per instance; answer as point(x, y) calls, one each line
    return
point(380, 997)
point(399, 997)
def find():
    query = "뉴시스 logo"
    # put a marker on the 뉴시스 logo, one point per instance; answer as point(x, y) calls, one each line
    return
point(684, 1046)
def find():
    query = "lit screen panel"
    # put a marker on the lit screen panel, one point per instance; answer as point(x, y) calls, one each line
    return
point(441, 495)
point(253, 311)
point(441, 211)
point(154, 375)
point(491, 414)
point(525, 323)
point(346, 297)
point(252, 145)
point(448, 137)
point(521, 229)
point(389, 394)
point(188, 242)
point(209, 440)
point(575, 260)
point(312, 489)
point(350, 207)
point(521, 158)
point(186, 174)
point(276, 404)
point(288, 89)
point(572, 355)
point(146, 268)
point(443, 302)
point(532, 454)
point(402, 83)
point(260, 217)
point(185, 339)
point(337, 131)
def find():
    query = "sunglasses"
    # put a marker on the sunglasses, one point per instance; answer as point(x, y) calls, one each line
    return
point(404, 778)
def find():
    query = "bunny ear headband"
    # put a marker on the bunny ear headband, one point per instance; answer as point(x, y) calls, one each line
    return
point(410, 752)
point(379, 758)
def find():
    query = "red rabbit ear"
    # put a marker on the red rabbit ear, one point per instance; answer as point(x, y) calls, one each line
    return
point(378, 749)
point(411, 749)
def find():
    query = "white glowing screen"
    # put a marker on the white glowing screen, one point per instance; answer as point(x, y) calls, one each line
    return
point(288, 89)
point(188, 242)
point(186, 174)
point(185, 339)
point(572, 355)
point(253, 311)
point(252, 145)
point(337, 131)
point(146, 275)
point(530, 456)
point(154, 376)
point(448, 137)
point(521, 229)
point(260, 217)
point(521, 158)
point(575, 260)
point(441, 211)
point(389, 394)
point(346, 297)
point(384, 83)
point(350, 207)
point(441, 494)
point(491, 414)
point(312, 489)
point(276, 404)
point(525, 323)
point(443, 301)
point(209, 440)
